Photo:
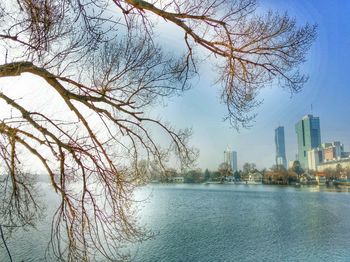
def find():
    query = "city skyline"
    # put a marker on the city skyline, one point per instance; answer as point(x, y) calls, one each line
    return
point(327, 90)
point(312, 150)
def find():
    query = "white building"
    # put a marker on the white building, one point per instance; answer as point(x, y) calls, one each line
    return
point(327, 153)
point(314, 158)
point(344, 163)
point(290, 163)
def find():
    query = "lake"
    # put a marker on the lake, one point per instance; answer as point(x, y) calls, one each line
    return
point(231, 223)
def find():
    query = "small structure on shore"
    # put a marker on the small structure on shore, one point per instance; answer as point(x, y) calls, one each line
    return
point(178, 179)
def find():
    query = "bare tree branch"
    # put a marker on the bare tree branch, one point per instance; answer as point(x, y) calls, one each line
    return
point(102, 64)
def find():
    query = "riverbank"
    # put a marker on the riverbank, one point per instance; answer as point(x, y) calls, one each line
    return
point(313, 187)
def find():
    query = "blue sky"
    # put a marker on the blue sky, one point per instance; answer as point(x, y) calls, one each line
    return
point(327, 90)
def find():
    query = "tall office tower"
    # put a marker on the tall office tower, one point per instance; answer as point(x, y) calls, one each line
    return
point(281, 159)
point(230, 158)
point(234, 161)
point(309, 137)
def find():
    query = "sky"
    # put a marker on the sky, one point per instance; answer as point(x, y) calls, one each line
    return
point(328, 91)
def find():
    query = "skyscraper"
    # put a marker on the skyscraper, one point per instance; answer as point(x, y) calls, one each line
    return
point(234, 161)
point(230, 158)
point(309, 137)
point(281, 159)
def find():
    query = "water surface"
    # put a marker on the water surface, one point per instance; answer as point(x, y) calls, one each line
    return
point(246, 223)
point(228, 223)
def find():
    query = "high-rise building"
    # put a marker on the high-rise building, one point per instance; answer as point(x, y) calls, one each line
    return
point(309, 137)
point(234, 161)
point(230, 158)
point(281, 159)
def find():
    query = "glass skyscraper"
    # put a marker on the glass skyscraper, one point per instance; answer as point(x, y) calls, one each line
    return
point(234, 161)
point(281, 159)
point(309, 137)
point(230, 158)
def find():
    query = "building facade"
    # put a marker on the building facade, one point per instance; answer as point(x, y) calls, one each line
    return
point(281, 159)
point(333, 151)
point(327, 153)
point(309, 137)
point(344, 163)
point(234, 161)
point(314, 158)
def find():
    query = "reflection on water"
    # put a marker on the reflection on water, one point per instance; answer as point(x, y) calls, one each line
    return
point(230, 223)
point(340, 189)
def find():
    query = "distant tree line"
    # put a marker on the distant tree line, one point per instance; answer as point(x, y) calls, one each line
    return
point(277, 174)
point(197, 175)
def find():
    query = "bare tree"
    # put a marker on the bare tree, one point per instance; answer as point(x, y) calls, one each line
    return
point(251, 50)
point(225, 170)
point(105, 70)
